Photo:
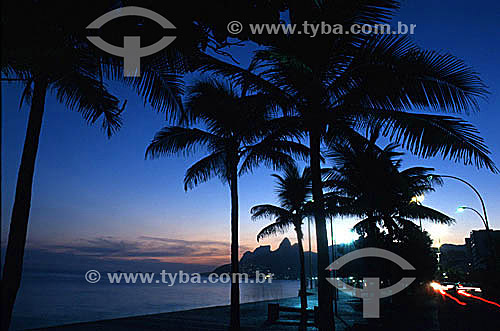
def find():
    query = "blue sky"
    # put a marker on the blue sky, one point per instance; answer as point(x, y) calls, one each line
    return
point(88, 188)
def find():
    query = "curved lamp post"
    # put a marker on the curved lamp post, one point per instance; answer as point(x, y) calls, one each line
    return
point(484, 217)
point(463, 208)
point(492, 259)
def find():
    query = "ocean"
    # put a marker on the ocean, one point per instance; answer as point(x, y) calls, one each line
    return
point(48, 299)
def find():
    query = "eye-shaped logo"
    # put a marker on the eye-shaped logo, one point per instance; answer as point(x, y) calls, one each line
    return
point(131, 50)
point(371, 293)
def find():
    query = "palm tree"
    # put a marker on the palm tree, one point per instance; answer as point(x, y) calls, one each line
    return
point(376, 189)
point(333, 85)
point(52, 64)
point(46, 52)
point(44, 47)
point(294, 194)
point(335, 97)
point(239, 135)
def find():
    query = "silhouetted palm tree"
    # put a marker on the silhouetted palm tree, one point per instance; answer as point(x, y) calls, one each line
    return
point(294, 194)
point(45, 60)
point(332, 85)
point(376, 188)
point(237, 131)
point(45, 49)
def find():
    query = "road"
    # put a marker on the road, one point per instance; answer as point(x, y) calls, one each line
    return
point(467, 311)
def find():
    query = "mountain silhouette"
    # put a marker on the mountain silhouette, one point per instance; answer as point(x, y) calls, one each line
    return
point(282, 262)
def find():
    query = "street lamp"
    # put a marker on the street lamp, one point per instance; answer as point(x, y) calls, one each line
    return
point(463, 208)
point(418, 199)
point(484, 217)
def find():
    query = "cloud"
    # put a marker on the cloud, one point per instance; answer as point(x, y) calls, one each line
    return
point(115, 253)
point(147, 247)
point(186, 242)
point(43, 260)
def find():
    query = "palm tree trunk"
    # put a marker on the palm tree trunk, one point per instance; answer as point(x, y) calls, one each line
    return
point(235, 286)
point(13, 267)
point(326, 322)
point(303, 285)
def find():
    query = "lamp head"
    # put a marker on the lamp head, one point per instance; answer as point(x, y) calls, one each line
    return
point(418, 198)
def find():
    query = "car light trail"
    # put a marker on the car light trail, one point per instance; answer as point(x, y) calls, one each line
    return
point(462, 292)
point(436, 286)
point(469, 288)
point(461, 303)
point(442, 289)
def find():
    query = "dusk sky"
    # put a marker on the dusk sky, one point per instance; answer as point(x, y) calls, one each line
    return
point(98, 196)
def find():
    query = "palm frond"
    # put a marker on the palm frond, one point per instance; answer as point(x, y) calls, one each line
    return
point(347, 12)
point(417, 211)
point(175, 139)
point(427, 135)
point(271, 159)
point(213, 165)
point(27, 93)
point(413, 78)
point(273, 153)
point(87, 95)
point(159, 84)
point(211, 101)
point(244, 78)
point(270, 211)
point(273, 229)
point(367, 224)
point(293, 188)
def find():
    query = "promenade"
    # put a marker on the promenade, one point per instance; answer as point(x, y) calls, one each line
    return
point(415, 314)
point(253, 317)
